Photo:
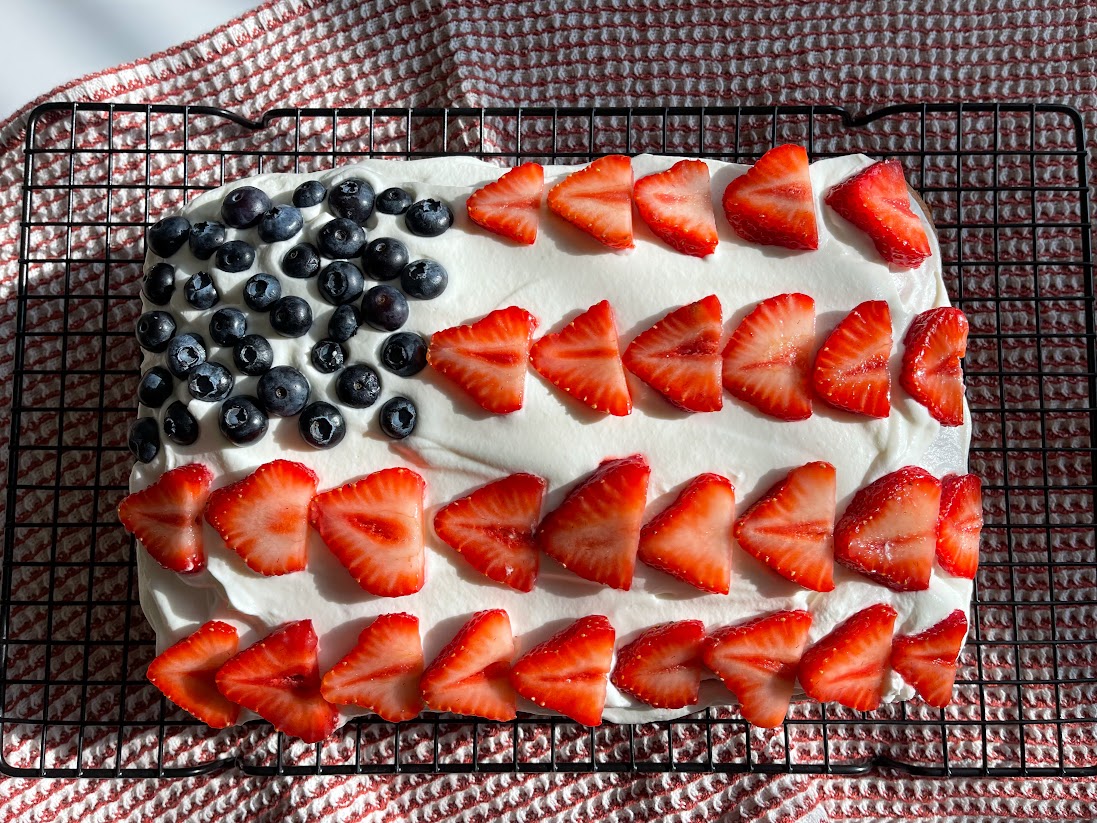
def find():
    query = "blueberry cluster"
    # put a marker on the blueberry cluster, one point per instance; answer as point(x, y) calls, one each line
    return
point(341, 257)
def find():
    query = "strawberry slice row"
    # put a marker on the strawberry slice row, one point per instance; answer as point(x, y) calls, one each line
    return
point(479, 672)
point(771, 203)
point(767, 362)
point(891, 531)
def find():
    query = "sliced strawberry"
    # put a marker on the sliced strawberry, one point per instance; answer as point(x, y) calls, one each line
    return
point(470, 675)
point(185, 673)
point(889, 530)
point(757, 662)
point(931, 372)
point(851, 369)
point(959, 525)
point(167, 517)
point(381, 673)
point(492, 528)
point(278, 678)
point(374, 527)
point(567, 673)
point(691, 538)
point(791, 528)
point(877, 201)
point(848, 665)
point(511, 205)
point(662, 667)
point(598, 200)
point(583, 359)
point(264, 518)
point(772, 203)
point(927, 661)
point(596, 530)
point(677, 205)
point(487, 358)
point(767, 361)
point(679, 356)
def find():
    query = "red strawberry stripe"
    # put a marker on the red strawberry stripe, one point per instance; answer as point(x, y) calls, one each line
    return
point(848, 665)
point(186, 673)
point(851, 368)
point(511, 205)
point(166, 517)
point(470, 675)
point(927, 661)
point(960, 525)
point(931, 372)
point(598, 200)
point(677, 206)
point(772, 202)
point(662, 667)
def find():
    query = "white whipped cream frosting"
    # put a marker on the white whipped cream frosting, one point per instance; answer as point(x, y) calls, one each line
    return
point(458, 447)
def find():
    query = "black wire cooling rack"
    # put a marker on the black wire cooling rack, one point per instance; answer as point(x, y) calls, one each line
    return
point(1008, 188)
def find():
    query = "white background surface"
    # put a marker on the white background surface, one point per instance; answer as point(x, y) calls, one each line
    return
point(49, 42)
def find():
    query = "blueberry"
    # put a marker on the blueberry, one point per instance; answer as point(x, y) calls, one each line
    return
point(428, 218)
point(185, 353)
point(280, 223)
point(180, 425)
point(322, 425)
point(340, 239)
point(227, 326)
point(155, 387)
point(200, 291)
point(309, 193)
point(262, 291)
point(291, 317)
point(169, 235)
point(358, 386)
point(384, 258)
point(404, 353)
point(328, 356)
point(235, 256)
point(283, 391)
point(205, 238)
point(154, 330)
point(341, 282)
point(343, 324)
point(385, 308)
point(210, 382)
point(393, 201)
point(424, 279)
point(144, 439)
point(159, 284)
point(253, 355)
point(244, 207)
point(241, 420)
point(302, 261)
point(352, 199)
point(398, 417)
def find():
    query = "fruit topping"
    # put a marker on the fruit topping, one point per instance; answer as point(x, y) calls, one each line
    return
point(677, 205)
point(487, 359)
point(186, 673)
point(340, 283)
point(424, 279)
point(598, 200)
point(283, 391)
point(931, 372)
point(404, 354)
point(428, 218)
point(264, 517)
point(393, 201)
point(385, 308)
point(358, 386)
point(679, 356)
point(261, 291)
point(301, 262)
point(374, 527)
point(154, 330)
point(235, 256)
point(144, 439)
point(772, 203)
point(927, 661)
point(889, 530)
point(511, 205)
point(280, 223)
point(790, 529)
point(469, 675)
point(155, 388)
point(210, 382)
point(180, 426)
point(381, 673)
point(848, 665)
point(309, 193)
point(340, 239)
point(241, 420)
point(205, 238)
point(398, 418)
point(244, 206)
point(492, 529)
point(877, 201)
point(567, 673)
point(851, 368)
point(767, 361)
point(691, 538)
point(227, 326)
point(322, 425)
point(352, 199)
point(595, 531)
point(185, 353)
point(583, 359)
point(327, 356)
point(169, 235)
point(158, 284)
point(253, 355)
point(291, 316)
point(166, 517)
point(960, 524)
point(384, 258)
point(662, 667)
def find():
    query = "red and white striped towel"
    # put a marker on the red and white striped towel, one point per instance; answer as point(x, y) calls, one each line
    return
point(423, 53)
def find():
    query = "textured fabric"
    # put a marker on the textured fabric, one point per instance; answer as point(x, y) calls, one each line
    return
point(472, 54)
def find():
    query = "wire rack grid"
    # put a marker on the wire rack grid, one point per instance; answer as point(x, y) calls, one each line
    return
point(1008, 188)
